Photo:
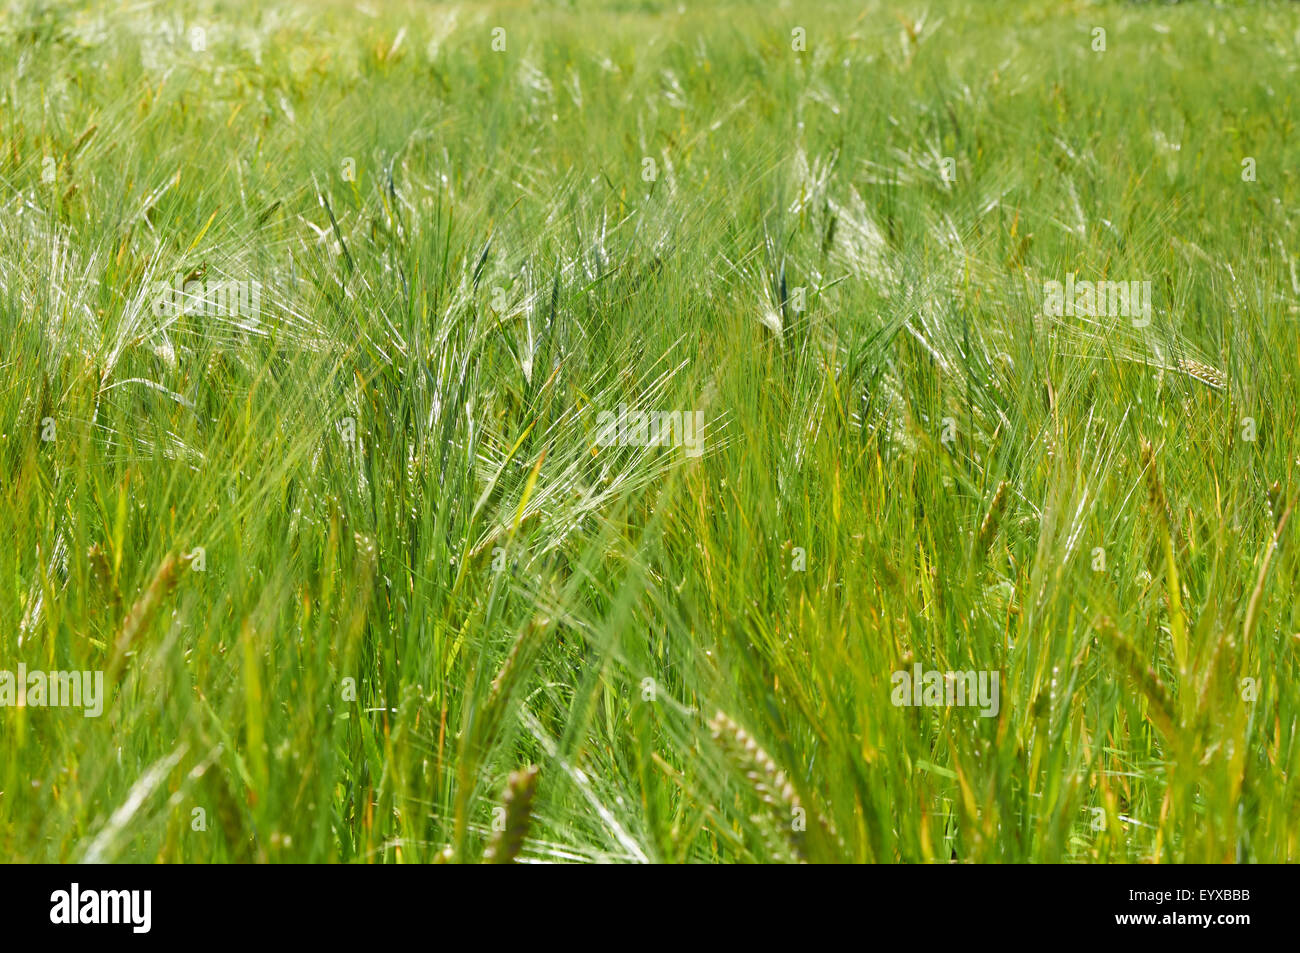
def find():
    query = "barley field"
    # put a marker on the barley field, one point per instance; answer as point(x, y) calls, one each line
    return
point(608, 431)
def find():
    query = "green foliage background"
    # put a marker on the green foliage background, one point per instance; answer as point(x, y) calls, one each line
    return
point(496, 273)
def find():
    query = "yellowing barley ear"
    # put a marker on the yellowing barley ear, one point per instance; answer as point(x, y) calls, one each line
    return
point(143, 610)
point(518, 805)
point(989, 528)
point(1155, 489)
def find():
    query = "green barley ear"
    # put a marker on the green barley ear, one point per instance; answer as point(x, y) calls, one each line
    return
point(1275, 501)
point(102, 587)
point(1200, 371)
point(768, 781)
point(1173, 587)
point(1160, 703)
point(761, 771)
point(518, 803)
